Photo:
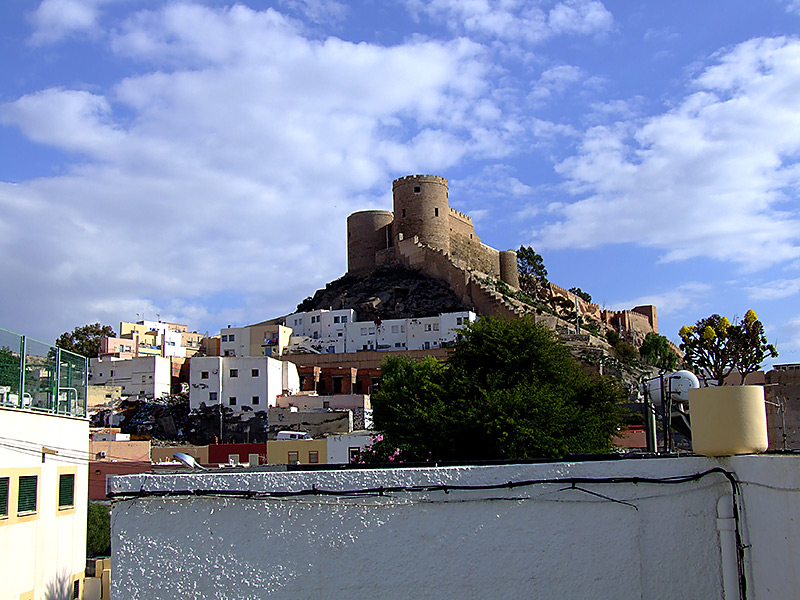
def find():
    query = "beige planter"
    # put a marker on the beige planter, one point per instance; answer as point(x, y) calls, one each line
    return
point(728, 420)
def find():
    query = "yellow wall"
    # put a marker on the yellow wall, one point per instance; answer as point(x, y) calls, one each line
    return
point(278, 451)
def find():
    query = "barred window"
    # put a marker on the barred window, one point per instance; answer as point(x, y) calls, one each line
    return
point(4, 496)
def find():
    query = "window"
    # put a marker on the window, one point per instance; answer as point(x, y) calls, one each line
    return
point(255, 400)
point(395, 328)
point(203, 374)
point(229, 353)
point(353, 453)
point(66, 490)
point(435, 212)
point(436, 327)
point(331, 349)
point(293, 457)
point(337, 319)
point(402, 328)
point(326, 404)
point(232, 401)
point(231, 338)
point(212, 396)
point(417, 189)
point(404, 213)
point(234, 372)
point(253, 372)
point(4, 496)
point(459, 320)
point(112, 372)
point(344, 319)
point(372, 331)
point(144, 379)
point(26, 500)
point(427, 327)
point(363, 331)
point(397, 345)
point(76, 589)
point(224, 338)
point(313, 456)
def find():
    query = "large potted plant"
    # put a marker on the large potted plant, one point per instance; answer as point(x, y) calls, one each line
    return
point(727, 419)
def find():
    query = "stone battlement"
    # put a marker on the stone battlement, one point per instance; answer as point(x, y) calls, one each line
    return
point(459, 215)
point(426, 178)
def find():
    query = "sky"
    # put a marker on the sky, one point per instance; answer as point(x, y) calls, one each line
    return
point(195, 161)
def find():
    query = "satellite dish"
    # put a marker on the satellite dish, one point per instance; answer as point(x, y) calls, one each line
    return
point(188, 460)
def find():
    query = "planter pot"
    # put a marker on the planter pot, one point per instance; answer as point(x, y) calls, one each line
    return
point(728, 420)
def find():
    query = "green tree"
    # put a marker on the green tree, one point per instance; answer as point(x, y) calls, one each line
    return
point(532, 272)
point(657, 352)
point(9, 368)
point(714, 347)
point(98, 530)
point(85, 340)
point(510, 390)
point(581, 294)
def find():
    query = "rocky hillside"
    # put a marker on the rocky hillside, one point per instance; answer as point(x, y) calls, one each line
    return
point(388, 293)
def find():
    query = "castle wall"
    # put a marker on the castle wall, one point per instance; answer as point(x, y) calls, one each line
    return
point(421, 209)
point(470, 254)
point(368, 232)
point(461, 224)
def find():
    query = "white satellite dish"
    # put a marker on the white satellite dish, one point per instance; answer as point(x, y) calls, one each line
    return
point(188, 460)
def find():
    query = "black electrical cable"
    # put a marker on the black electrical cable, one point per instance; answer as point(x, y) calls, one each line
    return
point(447, 488)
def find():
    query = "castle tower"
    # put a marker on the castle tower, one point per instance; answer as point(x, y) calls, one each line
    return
point(509, 270)
point(421, 208)
point(368, 232)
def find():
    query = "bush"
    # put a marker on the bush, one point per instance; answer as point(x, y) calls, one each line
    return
point(98, 530)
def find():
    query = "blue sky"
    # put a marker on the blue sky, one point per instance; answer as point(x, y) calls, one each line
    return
point(197, 161)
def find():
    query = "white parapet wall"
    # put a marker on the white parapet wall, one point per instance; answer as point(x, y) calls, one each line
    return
point(618, 529)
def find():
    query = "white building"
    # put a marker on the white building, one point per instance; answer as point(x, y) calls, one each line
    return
point(407, 334)
point(346, 448)
point(240, 382)
point(148, 376)
point(44, 476)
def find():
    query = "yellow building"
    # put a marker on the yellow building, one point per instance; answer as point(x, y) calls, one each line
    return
point(297, 452)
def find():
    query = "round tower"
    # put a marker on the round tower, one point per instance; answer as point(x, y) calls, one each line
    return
point(368, 232)
point(421, 208)
point(509, 270)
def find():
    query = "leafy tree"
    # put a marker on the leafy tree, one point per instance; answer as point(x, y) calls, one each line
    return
point(715, 347)
point(9, 368)
point(98, 530)
point(532, 272)
point(510, 390)
point(657, 352)
point(580, 293)
point(85, 340)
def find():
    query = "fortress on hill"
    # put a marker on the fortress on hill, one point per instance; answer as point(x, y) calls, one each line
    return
point(422, 212)
point(423, 232)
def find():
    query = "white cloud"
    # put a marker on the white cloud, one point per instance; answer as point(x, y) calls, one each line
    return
point(792, 6)
point(672, 301)
point(709, 178)
point(229, 163)
point(554, 82)
point(54, 20)
point(516, 21)
point(774, 290)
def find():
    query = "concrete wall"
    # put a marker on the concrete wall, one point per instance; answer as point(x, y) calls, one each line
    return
point(546, 540)
point(43, 550)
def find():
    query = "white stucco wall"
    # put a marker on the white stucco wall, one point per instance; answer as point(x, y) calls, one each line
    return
point(538, 541)
point(46, 550)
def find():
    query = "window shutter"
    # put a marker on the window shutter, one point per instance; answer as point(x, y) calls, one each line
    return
point(4, 496)
point(26, 501)
point(66, 490)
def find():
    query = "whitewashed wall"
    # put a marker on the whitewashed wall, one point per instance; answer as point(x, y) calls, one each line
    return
point(538, 541)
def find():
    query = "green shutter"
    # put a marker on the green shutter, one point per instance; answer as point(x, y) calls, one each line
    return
point(66, 490)
point(26, 502)
point(3, 496)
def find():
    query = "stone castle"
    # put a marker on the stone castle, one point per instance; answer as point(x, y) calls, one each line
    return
point(423, 232)
point(422, 212)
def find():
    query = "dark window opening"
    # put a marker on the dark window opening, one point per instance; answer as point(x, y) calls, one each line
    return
point(66, 490)
point(417, 189)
